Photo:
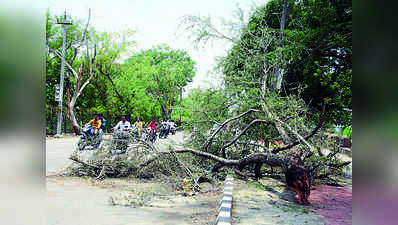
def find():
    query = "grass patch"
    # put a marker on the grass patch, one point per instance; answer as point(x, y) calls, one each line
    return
point(289, 207)
point(258, 186)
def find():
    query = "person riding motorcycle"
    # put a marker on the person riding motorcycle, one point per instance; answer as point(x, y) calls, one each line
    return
point(154, 126)
point(103, 121)
point(123, 125)
point(172, 126)
point(165, 128)
point(138, 125)
point(95, 125)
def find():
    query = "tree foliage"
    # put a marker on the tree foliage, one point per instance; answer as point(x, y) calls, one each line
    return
point(152, 80)
point(145, 84)
point(314, 57)
point(316, 53)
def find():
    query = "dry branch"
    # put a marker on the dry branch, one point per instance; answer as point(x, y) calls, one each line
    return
point(313, 132)
point(243, 132)
point(210, 139)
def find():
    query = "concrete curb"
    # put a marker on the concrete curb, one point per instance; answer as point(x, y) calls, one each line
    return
point(225, 211)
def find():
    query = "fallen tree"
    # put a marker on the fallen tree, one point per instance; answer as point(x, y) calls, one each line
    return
point(299, 164)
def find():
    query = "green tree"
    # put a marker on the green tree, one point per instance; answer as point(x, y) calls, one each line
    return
point(317, 53)
point(314, 57)
point(152, 80)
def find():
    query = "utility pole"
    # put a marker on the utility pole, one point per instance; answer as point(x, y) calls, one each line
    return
point(278, 72)
point(61, 83)
point(180, 103)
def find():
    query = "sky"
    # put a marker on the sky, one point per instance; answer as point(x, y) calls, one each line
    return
point(156, 22)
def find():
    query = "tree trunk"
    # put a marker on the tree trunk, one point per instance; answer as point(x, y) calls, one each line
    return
point(169, 111)
point(296, 177)
point(75, 125)
point(257, 170)
point(71, 114)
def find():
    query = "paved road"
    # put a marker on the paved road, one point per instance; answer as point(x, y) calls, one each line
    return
point(57, 153)
point(72, 200)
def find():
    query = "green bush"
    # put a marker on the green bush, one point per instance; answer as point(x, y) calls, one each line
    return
point(348, 132)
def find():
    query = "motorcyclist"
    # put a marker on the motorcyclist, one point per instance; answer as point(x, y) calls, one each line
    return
point(138, 125)
point(172, 126)
point(95, 125)
point(103, 121)
point(123, 125)
point(164, 131)
point(153, 125)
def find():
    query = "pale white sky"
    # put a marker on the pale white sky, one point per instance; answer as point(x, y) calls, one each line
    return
point(156, 22)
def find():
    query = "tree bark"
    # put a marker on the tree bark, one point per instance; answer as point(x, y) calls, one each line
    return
point(75, 125)
point(257, 170)
point(69, 108)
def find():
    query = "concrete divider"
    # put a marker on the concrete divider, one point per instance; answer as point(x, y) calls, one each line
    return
point(225, 211)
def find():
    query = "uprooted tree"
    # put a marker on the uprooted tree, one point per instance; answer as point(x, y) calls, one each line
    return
point(230, 145)
point(296, 146)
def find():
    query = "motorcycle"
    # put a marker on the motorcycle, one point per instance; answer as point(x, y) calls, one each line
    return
point(163, 131)
point(87, 139)
point(150, 135)
point(122, 138)
point(173, 129)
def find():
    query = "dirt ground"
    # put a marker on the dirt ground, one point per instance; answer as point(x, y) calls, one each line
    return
point(73, 200)
point(269, 201)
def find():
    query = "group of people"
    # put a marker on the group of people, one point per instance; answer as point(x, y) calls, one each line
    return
point(166, 127)
point(125, 125)
point(98, 124)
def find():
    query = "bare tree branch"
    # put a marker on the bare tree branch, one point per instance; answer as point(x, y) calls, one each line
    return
point(313, 132)
point(339, 165)
point(267, 158)
point(85, 29)
point(110, 79)
point(210, 139)
point(75, 52)
point(59, 54)
point(243, 132)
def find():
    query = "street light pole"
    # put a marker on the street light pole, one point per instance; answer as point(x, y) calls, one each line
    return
point(61, 83)
point(180, 103)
